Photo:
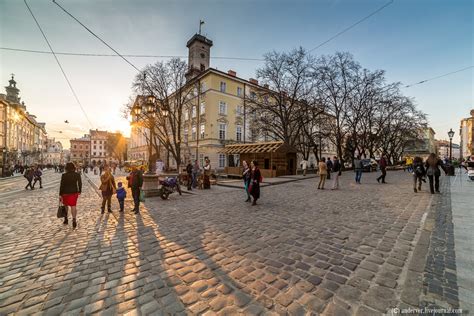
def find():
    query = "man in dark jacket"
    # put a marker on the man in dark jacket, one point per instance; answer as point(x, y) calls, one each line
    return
point(329, 167)
point(383, 168)
point(336, 168)
point(135, 182)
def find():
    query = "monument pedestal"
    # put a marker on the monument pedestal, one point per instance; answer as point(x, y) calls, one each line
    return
point(150, 185)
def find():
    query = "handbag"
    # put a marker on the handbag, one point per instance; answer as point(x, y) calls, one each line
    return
point(142, 196)
point(62, 211)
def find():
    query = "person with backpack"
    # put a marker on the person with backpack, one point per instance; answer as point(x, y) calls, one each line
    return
point(37, 176)
point(255, 180)
point(418, 173)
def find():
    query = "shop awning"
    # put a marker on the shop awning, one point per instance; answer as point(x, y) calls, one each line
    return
point(268, 147)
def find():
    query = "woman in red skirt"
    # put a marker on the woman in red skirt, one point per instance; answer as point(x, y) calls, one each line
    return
point(69, 191)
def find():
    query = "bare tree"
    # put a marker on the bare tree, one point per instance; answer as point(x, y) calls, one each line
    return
point(166, 81)
point(277, 108)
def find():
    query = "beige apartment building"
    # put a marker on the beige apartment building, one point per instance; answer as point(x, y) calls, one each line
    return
point(466, 132)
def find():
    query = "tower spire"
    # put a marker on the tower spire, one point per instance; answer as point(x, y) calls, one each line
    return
point(201, 22)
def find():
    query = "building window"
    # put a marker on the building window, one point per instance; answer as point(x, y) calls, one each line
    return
point(203, 87)
point(203, 130)
point(95, 154)
point(222, 108)
point(239, 91)
point(222, 130)
point(202, 109)
point(193, 111)
point(193, 132)
point(240, 110)
point(201, 159)
point(221, 160)
point(253, 95)
point(186, 115)
point(238, 135)
point(223, 86)
point(186, 131)
point(100, 142)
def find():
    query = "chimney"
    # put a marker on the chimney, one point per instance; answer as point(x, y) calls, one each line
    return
point(254, 81)
point(232, 73)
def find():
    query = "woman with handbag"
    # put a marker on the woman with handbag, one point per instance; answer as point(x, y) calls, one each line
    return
point(69, 190)
point(433, 172)
point(108, 188)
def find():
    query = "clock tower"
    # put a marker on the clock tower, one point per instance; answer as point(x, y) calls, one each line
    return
point(199, 49)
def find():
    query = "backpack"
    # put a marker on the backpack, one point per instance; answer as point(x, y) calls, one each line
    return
point(419, 170)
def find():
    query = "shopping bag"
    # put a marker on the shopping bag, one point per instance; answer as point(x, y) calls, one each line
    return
point(142, 196)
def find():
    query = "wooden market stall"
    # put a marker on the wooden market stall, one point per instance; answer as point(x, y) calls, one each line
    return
point(274, 158)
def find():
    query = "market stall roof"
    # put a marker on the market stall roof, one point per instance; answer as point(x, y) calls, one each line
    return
point(268, 147)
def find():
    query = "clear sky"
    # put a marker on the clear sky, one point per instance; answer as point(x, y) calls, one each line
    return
point(412, 40)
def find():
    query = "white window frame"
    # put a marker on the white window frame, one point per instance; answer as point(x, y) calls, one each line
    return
point(186, 115)
point(193, 132)
point(239, 91)
point(222, 106)
point(223, 86)
point(222, 131)
point(202, 131)
point(240, 109)
point(238, 133)
point(186, 134)
point(193, 111)
point(202, 109)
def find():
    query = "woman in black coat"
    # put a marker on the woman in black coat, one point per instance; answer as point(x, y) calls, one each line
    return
point(255, 179)
point(69, 191)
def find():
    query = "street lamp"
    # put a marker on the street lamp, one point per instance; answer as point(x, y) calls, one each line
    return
point(450, 134)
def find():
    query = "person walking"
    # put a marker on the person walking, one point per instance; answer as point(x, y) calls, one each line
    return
point(246, 176)
point(196, 173)
point(337, 170)
point(328, 168)
point(358, 169)
point(409, 164)
point(418, 173)
point(255, 180)
point(135, 182)
point(29, 175)
point(189, 171)
point(207, 174)
point(383, 169)
point(107, 187)
point(121, 195)
point(37, 176)
point(304, 166)
point(433, 163)
point(69, 191)
point(323, 172)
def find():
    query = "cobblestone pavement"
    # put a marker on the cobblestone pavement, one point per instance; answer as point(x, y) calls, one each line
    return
point(301, 250)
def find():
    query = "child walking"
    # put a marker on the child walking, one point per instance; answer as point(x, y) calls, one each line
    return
point(121, 195)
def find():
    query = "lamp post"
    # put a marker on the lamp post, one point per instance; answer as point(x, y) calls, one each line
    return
point(148, 111)
point(451, 135)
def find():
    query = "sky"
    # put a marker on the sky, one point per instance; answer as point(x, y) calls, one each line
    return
point(412, 40)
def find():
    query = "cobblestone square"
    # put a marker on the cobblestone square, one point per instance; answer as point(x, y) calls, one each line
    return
point(359, 250)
